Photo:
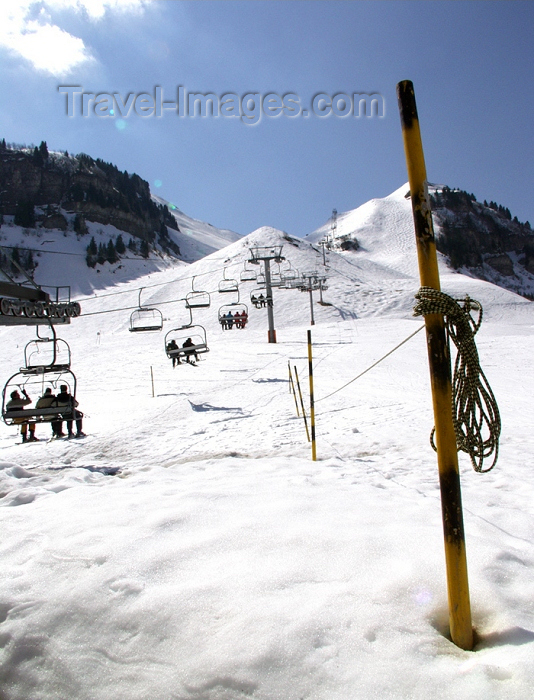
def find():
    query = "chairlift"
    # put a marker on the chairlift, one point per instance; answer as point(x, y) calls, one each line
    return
point(34, 384)
point(185, 342)
point(259, 300)
point(310, 281)
point(228, 285)
point(233, 315)
point(45, 355)
point(196, 299)
point(145, 318)
point(276, 279)
point(247, 275)
point(258, 253)
point(290, 278)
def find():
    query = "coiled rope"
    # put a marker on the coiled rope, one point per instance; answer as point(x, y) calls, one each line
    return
point(474, 405)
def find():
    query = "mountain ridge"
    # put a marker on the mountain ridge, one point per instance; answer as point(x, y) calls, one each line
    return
point(79, 206)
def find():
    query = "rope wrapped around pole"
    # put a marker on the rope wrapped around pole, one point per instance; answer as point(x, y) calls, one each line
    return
point(476, 418)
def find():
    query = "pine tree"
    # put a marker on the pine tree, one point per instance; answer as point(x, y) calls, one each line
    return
point(92, 252)
point(144, 248)
point(43, 150)
point(111, 252)
point(37, 157)
point(119, 245)
point(102, 254)
point(24, 214)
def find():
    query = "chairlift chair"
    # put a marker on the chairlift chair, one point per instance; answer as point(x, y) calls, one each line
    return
point(228, 285)
point(247, 275)
point(233, 315)
point(259, 300)
point(145, 318)
point(288, 276)
point(177, 337)
point(196, 299)
point(290, 279)
point(44, 355)
point(35, 385)
point(276, 279)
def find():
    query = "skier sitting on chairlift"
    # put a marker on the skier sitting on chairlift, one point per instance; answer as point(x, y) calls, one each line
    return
point(65, 399)
point(46, 401)
point(227, 321)
point(17, 403)
point(173, 347)
point(189, 344)
point(240, 319)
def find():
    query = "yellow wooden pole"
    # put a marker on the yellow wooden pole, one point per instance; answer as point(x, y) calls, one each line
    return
point(312, 401)
point(440, 376)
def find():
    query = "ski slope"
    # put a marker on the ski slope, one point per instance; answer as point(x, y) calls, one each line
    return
point(190, 549)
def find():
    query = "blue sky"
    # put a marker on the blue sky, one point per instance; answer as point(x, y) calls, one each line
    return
point(471, 64)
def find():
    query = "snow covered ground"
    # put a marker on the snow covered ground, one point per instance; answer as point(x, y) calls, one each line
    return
point(190, 549)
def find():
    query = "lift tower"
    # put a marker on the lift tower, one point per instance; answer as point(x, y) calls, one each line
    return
point(266, 254)
point(333, 228)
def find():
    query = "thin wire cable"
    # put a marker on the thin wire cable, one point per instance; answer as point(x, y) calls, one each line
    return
point(371, 367)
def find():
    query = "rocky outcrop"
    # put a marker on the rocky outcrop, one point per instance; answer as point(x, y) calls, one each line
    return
point(473, 234)
point(502, 263)
point(79, 184)
point(23, 179)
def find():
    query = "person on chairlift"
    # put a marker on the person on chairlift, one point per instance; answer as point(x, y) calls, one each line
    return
point(65, 399)
point(189, 344)
point(46, 401)
point(17, 403)
point(173, 347)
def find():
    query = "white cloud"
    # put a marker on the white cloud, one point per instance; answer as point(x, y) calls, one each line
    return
point(48, 48)
point(27, 29)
